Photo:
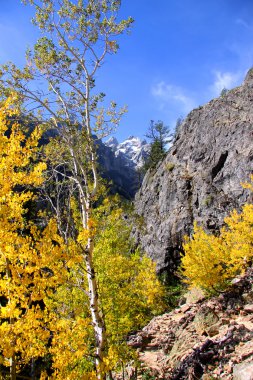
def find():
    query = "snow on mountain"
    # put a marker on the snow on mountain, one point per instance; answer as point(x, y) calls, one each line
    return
point(112, 143)
point(133, 149)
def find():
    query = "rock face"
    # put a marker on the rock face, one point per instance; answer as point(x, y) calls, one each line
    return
point(200, 178)
point(209, 339)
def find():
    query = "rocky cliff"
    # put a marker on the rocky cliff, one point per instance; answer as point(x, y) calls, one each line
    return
point(200, 178)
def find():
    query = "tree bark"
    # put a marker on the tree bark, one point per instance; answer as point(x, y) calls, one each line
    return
point(13, 374)
point(97, 318)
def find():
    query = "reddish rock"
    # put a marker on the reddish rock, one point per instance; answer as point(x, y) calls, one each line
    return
point(248, 308)
point(185, 308)
point(173, 344)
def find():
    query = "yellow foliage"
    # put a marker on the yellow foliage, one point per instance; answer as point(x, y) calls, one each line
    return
point(210, 262)
point(248, 185)
point(70, 351)
point(129, 293)
point(43, 283)
point(31, 260)
point(129, 290)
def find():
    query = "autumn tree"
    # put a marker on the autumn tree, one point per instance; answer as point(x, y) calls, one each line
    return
point(128, 285)
point(76, 38)
point(129, 292)
point(211, 261)
point(31, 258)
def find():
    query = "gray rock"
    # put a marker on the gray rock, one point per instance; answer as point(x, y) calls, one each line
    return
point(200, 178)
point(243, 371)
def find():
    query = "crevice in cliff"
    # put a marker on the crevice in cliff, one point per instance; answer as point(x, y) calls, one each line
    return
point(220, 164)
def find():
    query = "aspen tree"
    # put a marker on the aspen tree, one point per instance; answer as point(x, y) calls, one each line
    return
point(77, 36)
point(210, 261)
point(129, 293)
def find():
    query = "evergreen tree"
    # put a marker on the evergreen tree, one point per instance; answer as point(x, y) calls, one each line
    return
point(159, 136)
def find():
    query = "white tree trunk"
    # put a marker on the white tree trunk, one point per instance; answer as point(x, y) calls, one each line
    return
point(13, 368)
point(97, 318)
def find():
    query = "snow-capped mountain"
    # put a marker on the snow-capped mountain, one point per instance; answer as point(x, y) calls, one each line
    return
point(112, 142)
point(120, 163)
point(133, 149)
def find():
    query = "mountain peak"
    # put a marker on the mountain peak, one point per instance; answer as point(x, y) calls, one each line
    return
point(112, 142)
point(133, 149)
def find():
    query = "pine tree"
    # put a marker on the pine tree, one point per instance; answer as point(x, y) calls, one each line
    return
point(159, 136)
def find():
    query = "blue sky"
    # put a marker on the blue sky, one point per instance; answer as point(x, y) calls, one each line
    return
point(179, 55)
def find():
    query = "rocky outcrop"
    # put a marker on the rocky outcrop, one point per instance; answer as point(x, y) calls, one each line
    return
point(200, 178)
point(209, 339)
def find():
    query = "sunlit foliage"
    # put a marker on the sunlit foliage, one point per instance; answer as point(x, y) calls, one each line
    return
point(129, 292)
point(31, 259)
point(210, 261)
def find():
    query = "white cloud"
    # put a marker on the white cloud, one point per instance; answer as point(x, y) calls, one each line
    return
point(170, 95)
point(224, 80)
point(243, 23)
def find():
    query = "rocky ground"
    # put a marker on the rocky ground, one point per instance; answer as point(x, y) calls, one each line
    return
point(205, 339)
